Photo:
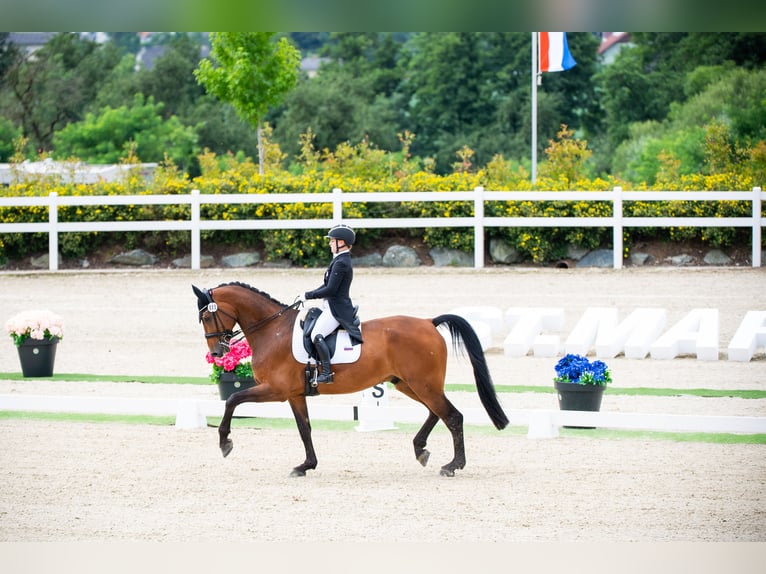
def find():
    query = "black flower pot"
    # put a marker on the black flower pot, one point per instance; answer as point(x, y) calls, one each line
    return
point(230, 383)
point(37, 357)
point(575, 397)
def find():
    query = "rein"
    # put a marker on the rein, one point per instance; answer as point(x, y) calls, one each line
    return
point(262, 322)
point(226, 335)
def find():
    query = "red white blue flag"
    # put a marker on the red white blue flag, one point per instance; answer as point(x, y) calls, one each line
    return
point(554, 53)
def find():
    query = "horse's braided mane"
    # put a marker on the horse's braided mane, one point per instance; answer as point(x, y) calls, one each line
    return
point(254, 290)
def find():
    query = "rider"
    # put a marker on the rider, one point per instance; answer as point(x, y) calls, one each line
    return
point(337, 308)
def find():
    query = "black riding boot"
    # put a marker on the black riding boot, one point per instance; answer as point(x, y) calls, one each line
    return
point(324, 359)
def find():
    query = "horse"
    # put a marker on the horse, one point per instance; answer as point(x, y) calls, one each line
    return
point(405, 351)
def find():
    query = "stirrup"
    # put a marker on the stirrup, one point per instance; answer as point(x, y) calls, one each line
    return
point(323, 378)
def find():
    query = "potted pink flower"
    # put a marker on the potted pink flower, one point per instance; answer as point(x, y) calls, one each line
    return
point(233, 371)
point(36, 335)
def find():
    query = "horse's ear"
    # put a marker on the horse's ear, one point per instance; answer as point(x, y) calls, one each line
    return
point(198, 292)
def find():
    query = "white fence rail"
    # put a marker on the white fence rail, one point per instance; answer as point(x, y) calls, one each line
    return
point(479, 222)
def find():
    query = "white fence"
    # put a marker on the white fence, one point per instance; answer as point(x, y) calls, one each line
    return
point(337, 198)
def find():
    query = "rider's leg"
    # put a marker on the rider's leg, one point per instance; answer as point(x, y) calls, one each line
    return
point(325, 325)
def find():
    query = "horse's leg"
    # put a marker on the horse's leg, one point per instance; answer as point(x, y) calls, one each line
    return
point(440, 408)
point(421, 438)
point(454, 422)
point(301, 414)
point(224, 428)
point(258, 393)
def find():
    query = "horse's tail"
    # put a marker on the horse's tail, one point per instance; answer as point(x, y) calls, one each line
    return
point(462, 332)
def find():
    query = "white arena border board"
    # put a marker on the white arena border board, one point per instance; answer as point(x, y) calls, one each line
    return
point(192, 414)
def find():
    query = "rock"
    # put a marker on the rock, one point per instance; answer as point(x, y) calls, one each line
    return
point(597, 258)
point(717, 257)
point(371, 260)
point(205, 261)
point(401, 256)
point(137, 257)
point(240, 259)
point(576, 252)
point(42, 262)
point(682, 259)
point(639, 259)
point(444, 257)
point(501, 252)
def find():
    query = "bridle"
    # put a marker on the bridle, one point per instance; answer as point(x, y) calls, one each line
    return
point(226, 335)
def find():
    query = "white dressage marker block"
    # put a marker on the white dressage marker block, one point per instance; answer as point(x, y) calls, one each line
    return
point(375, 399)
point(695, 334)
point(750, 336)
point(526, 325)
point(189, 416)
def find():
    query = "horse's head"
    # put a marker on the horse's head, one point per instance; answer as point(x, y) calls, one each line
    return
point(218, 322)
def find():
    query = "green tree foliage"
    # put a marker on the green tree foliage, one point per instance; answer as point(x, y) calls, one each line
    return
point(46, 92)
point(8, 134)
point(723, 96)
point(252, 73)
point(140, 128)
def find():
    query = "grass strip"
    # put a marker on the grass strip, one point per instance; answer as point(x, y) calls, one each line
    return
point(630, 391)
point(77, 377)
point(408, 428)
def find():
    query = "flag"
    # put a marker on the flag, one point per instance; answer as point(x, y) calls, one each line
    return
point(554, 52)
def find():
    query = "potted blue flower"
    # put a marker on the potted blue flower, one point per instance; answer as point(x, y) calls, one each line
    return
point(580, 383)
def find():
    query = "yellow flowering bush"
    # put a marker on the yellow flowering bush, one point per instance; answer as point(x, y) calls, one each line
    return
point(364, 169)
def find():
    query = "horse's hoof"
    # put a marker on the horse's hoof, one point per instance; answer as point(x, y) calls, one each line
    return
point(447, 472)
point(226, 448)
point(298, 472)
point(423, 457)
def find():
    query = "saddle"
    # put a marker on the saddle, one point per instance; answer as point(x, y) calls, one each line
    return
point(339, 343)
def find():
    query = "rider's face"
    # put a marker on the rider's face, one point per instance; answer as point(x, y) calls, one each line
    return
point(336, 245)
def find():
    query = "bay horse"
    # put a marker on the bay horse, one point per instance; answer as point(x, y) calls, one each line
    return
point(406, 351)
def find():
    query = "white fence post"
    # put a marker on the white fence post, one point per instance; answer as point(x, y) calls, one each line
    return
point(617, 228)
point(757, 223)
point(478, 228)
point(196, 246)
point(53, 232)
point(337, 206)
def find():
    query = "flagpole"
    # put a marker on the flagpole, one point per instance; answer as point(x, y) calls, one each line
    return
point(534, 107)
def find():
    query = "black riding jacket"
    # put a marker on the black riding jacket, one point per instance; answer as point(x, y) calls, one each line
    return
point(336, 287)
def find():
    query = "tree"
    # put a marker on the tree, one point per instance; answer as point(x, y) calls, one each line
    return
point(252, 73)
point(46, 91)
point(107, 137)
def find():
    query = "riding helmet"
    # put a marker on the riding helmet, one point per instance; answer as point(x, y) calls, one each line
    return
point(344, 233)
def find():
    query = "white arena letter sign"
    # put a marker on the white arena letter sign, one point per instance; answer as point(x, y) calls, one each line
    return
point(526, 325)
point(634, 335)
point(750, 336)
point(696, 334)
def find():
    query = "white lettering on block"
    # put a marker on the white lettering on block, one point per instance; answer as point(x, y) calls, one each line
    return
point(492, 316)
point(750, 336)
point(583, 336)
point(526, 324)
point(695, 334)
point(483, 332)
point(633, 336)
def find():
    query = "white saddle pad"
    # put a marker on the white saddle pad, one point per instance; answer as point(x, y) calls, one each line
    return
point(345, 352)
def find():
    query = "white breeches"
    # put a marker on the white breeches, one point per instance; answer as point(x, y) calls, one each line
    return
point(326, 323)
